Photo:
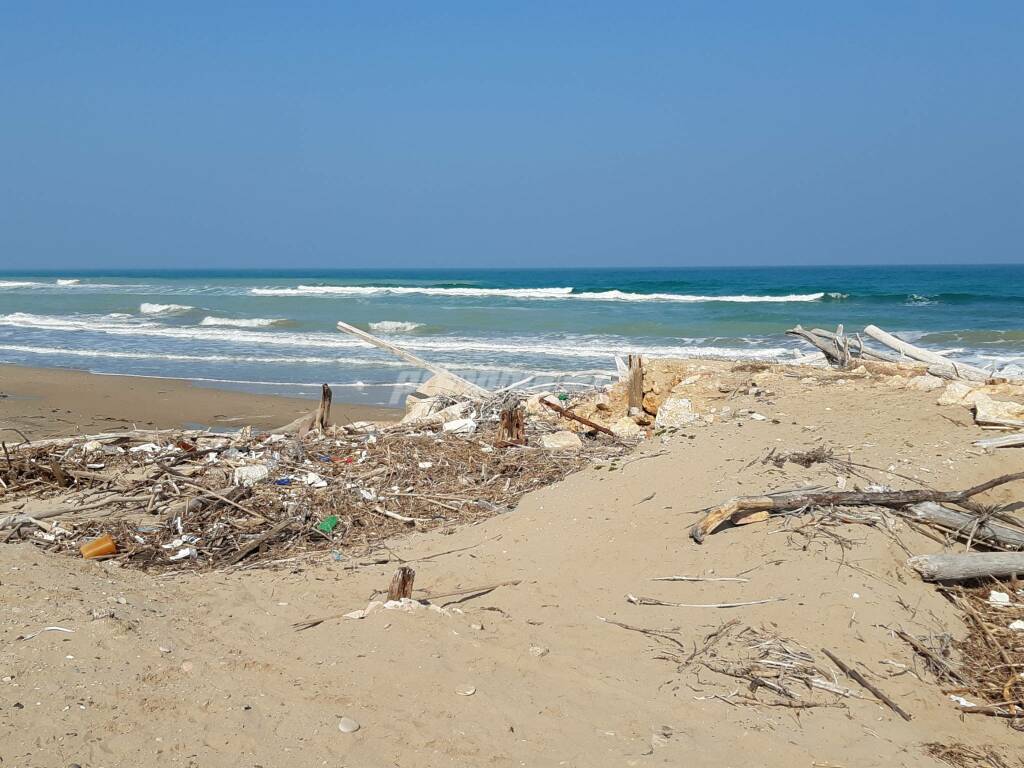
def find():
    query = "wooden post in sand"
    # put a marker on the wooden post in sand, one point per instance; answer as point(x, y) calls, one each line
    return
point(401, 583)
point(635, 385)
point(512, 427)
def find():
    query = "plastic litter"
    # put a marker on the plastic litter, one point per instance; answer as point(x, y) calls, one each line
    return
point(328, 524)
point(250, 474)
point(1016, 626)
point(99, 547)
point(460, 426)
point(998, 598)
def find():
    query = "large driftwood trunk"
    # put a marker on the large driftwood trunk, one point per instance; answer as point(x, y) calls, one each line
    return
point(409, 357)
point(969, 565)
point(926, 356)
point(317, 421)
point(968, 525)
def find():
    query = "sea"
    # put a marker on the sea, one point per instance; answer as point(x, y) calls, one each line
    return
point(275, 331)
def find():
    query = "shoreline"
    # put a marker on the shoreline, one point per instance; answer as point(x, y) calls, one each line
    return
point(50, 402)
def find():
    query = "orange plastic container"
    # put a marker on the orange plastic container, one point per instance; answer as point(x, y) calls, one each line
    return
point(99, 547)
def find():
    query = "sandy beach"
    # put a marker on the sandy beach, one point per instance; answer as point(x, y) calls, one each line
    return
point(558, 667)
point(47, 402)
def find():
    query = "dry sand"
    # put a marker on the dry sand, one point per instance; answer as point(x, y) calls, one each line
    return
point(205, 670)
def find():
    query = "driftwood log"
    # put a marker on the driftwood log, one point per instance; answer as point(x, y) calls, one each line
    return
point(565, 412)
point(966, 525)
point(409, 357)
point(635, 385)
point(318, 421)
point(740, 507)
point(1003, 441)
point(967, 565)
point(961, 371)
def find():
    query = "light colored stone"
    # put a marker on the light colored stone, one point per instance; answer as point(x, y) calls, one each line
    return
point(535, 408)
point(348, 725)
point(626, 428)
point(926, 383)
point(562, 441)
point(989, 411)
point(960, 393)
point(439, 384)
point(676, 412)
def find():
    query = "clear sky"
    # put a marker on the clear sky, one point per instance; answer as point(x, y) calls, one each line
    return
point(520, 133)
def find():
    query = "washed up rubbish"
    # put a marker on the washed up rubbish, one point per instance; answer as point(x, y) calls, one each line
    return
point(460, 426)
point(183, 554)
point(250, 474)
point(1016, 626)
point(283, 481)
point(465, 690)
point(101, 546)
point(30, 635)
point(145, 448)
point(348, 725)
point(328, 524)
point(313, 480)
point(998, 598)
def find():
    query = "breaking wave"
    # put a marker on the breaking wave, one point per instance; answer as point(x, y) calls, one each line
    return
point(242, 322)
point(163, 309)
point(394, 326)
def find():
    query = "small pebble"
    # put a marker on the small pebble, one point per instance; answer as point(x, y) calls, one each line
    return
point(538, 651)
point(348, 725)
point(186, 666)
point(465, 690)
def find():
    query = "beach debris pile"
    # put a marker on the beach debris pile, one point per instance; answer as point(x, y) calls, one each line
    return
point(180, 499)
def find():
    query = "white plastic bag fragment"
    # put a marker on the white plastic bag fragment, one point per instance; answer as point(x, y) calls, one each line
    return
point(249, 475)
point(460, 426)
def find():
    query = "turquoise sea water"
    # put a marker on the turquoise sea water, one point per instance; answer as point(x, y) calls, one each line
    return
point(275, 331)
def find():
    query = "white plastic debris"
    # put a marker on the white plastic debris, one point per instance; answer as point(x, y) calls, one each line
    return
point(368, 493)
point(250, 474)
point(314, 480)
point(460, 426)
point(962, 701)
point(426, 464)
point(92, 446)
point(145, 448)
point(1016, 626)
point(183, 554)
point(758, 417)
point(998, 598)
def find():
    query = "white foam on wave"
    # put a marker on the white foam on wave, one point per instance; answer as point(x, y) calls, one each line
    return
point(18, 284)
point(402, 290)
point(394, 326)
point(163, 309)
point(68, 281)
point(242, 322)
point(512, 348)
point(526, 293)
point(694, 299)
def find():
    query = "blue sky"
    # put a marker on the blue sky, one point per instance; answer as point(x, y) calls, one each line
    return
point(510, 134)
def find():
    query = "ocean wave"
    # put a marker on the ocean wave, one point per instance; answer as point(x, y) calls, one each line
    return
point(525, 293)
point(163, 309)
point(242, 322)
point(18, 284)
point(397, 290)
point(68, 281)
point(510, 347)
point(916, 300)
point(695, 299)
point(394, 326)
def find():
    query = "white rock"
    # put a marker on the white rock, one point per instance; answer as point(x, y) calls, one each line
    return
point(1017, 626)
point(626, 428)
point(562, 441)
point(676, 412)
point(758, 417)
point(926, 383)
point(988, 411)
point(960, 393)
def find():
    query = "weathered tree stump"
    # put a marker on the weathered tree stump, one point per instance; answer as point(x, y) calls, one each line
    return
point(635, 385)
point(512, 427)
point(401, 583)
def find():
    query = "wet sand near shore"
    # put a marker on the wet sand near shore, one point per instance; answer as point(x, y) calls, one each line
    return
point(47, 402)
